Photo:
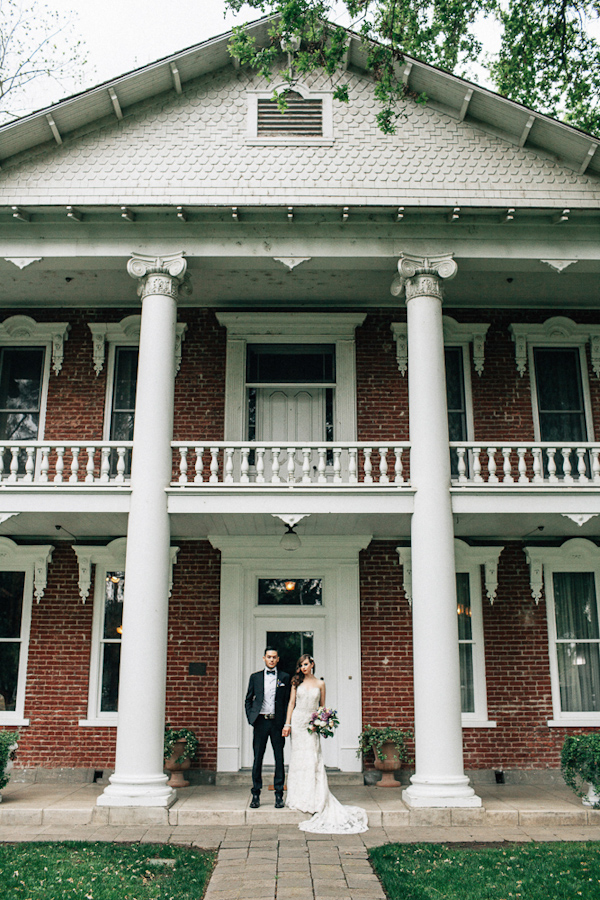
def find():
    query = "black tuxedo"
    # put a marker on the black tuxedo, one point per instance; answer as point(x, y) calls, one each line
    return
point(267, 728)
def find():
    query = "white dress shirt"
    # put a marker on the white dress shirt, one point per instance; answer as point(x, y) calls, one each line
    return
point(270, 686)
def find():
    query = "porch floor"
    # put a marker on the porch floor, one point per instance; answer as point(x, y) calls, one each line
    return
point(505, 807)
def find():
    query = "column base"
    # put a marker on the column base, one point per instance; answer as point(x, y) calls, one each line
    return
point(440, 792)
point(134, 790)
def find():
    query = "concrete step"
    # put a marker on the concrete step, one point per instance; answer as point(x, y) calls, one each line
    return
point(243, 778)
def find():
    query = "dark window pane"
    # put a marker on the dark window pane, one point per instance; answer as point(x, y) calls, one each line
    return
point(290, 592)
point(467, 691)
point(122, 427)
point(290, 645)
point(463, 593)
point(113, 604)
point(126, 362)
point(579, 677)
point(111, 660)
point(20, 392)
point(11, 603)
point(575, 605)
point(9, 671)
point(455, 383)
point(560, 394)
point(290, 364)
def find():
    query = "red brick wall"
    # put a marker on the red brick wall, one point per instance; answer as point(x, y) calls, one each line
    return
point(59, 659)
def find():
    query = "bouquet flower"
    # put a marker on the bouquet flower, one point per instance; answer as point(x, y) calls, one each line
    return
point(324, 721)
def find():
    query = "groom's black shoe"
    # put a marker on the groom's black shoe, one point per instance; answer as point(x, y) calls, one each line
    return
point(279, 804)
point(255, 802)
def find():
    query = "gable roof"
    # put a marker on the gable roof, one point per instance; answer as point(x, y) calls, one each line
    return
point(447, 93)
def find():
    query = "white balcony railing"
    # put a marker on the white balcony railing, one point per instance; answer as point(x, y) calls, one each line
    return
point(65, 462)
point(566, 464)
point(238, 463)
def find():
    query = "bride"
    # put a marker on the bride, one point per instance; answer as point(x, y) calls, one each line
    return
point(307, 788)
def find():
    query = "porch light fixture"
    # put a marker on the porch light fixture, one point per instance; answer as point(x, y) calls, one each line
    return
point(290, 585)
point(290, 541)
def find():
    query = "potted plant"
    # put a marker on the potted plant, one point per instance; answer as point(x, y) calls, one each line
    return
point(580, 766)
point(388, 744)
point(180, 748)
point(8, 747)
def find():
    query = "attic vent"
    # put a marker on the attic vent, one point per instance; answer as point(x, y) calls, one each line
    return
point(302, 116)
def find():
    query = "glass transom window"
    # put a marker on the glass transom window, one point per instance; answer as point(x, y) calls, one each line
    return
point(290, 592)
point(290, 364)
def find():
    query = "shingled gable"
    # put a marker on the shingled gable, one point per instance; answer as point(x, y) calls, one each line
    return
point(183, 121)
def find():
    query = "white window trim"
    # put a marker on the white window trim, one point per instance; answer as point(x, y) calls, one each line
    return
point(585, 384)
point(23, 331)
point(558, 331)
point(575, 555)
point(469, 559)
point(324, 140)
point(289, 328)
point(455, 334)
point(33, 561)
point(126, 333)
point(108, 558)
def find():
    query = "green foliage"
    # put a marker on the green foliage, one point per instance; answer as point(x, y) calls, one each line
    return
point(580, 762)
point(548, 59)
point(103, 871)
point(8, 739)
point(559, 871)
point(172, 735)
point(374, 737)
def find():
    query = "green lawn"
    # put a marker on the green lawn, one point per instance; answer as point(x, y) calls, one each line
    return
point(101, 871)
point(551, 871)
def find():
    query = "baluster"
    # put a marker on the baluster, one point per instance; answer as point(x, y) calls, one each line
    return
point(183, 465)
point(477, 477)
point(352, 469)
point(245, 466)
point(214, 465)
point(45, 464)
point(2, 452)
point(306, 454)
point(368, 465)
point(14, 464)
point(566, 455)
point(522, 465)
point(89, 466)
point(492, 477)
point(383, 466)
point(121, 451)
point(552, 476)
point(398, 467)
point(291, 465)
point(104, 465)
point(60, 465)
point(537, 465)
point(29, 464)
point(506, 466)
point(260, 465)
point(581, 465)
point(199, 465)
point(229, 451)
point(275, 451)
point(337, 465)
point(73, 479)
point(595, 464)
point(322, 465)
point(462, 465)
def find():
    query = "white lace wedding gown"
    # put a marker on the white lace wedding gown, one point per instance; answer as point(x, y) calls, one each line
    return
point(307, 788)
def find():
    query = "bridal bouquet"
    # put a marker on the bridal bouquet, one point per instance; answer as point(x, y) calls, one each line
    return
point(324, 721)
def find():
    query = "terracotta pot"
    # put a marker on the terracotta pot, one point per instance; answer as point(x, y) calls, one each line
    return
point(388, 765)
point(177, 769)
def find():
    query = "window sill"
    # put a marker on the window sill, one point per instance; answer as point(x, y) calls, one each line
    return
point(99, 723)
point(478, 723)
point(12, 719)
point(581, 722)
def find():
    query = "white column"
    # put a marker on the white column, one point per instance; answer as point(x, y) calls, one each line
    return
point(138, 779)
point(439, 778)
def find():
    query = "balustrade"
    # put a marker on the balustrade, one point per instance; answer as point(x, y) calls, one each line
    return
point(68, 462)
point(526, 463)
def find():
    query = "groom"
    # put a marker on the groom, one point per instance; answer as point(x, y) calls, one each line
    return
point(266, 707)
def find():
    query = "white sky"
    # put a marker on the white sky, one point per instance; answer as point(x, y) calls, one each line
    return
point(120, 35)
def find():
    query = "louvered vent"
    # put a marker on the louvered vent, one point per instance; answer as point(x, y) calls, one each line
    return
point(302, 116)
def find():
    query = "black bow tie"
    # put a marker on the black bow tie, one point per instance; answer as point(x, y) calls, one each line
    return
point(270, 672)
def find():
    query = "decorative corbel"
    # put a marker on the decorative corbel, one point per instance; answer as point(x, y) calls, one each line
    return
point(123, 332)
point(491, 577)
point(536, 574)
point(400, 336)
point(173, 551)
point(595, 351)
point(85, 573)
point(40, 571)
point(405, 556)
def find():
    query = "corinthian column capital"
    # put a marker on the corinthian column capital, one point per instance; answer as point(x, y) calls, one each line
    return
point(158, 274)
point(420, 275)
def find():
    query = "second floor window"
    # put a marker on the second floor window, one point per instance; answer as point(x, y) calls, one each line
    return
point(123, 394)
point(560, 399)
point(20, 392)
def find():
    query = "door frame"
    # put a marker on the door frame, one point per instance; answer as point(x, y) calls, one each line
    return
point(243, 561)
